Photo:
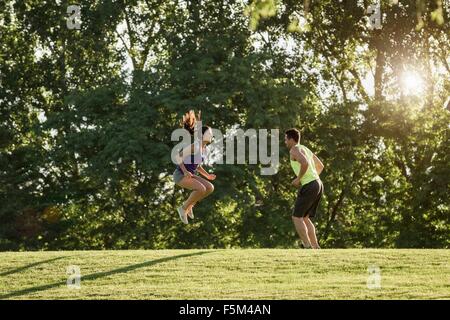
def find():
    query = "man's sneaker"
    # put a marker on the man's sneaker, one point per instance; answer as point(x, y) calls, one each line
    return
point(182, 215)
point(302, 245)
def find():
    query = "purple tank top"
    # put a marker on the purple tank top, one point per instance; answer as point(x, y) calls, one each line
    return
point(195, 160)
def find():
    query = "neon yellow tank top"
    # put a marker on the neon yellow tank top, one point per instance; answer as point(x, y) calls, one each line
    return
point(311, 172)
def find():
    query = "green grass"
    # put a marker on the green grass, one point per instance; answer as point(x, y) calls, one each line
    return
point(226, 274)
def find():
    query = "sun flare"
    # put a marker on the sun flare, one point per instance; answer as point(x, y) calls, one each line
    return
point(411, 83)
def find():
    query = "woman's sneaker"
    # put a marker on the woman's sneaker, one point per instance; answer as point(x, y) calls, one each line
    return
point(182, 215)
point(190, 213)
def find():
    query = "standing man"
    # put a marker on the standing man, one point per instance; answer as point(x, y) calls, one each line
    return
point(307, 167)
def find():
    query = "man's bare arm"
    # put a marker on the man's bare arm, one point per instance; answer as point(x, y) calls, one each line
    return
point(300, 157)
point(318, 164)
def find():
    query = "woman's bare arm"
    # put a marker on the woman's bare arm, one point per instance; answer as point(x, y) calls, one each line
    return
point(203, 172)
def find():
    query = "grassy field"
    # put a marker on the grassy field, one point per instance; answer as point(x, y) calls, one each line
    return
point(226, 274)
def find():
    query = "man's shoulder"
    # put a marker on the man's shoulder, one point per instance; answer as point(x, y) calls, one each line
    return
point(305, 148)
point(294, 150)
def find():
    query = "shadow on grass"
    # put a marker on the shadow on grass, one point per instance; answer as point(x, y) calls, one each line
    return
point(98, 275)
point(28, 266)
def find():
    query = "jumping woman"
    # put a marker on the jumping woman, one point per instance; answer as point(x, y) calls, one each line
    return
point(189, 166)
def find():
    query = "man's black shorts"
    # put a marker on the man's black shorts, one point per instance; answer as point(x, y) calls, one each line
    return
point(308, 199)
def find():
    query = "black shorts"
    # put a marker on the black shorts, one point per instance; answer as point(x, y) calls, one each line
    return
point(308, 199)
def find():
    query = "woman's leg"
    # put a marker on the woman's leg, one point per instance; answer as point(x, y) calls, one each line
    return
point(209, 187)
point(198, 191)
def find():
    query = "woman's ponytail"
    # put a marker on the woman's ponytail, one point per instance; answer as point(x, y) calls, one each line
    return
point(189, 121)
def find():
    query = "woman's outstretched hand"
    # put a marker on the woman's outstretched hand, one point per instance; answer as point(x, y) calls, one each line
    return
point(211, 177)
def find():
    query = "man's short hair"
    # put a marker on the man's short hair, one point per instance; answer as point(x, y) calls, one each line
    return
point(293, 134)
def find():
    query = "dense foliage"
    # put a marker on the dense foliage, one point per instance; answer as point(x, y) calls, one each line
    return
point(86, 118)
